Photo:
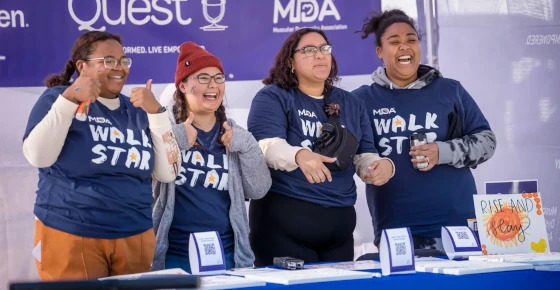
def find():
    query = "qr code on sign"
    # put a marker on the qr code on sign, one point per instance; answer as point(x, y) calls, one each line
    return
point(209, 249)
point(462, 235)
point(401, 249)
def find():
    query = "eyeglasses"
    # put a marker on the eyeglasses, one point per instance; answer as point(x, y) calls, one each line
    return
point(111, 62)
point(206, 78)
point(312, 50)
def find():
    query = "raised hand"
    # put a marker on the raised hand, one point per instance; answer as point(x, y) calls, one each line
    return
point(192, 134)
point(226, 137)
point(142, 97)
point(84, 89)
point(311, 164)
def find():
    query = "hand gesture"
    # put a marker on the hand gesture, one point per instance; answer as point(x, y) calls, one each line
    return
point(430, 152)
point(379, 172)
point(226, 137)
point(144, 98)
point(84, 89)
point(192, 134)
point(311, 164)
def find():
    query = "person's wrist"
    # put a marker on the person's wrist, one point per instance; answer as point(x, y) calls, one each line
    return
point(156, 109)
point(298, 154)
point(69, 97)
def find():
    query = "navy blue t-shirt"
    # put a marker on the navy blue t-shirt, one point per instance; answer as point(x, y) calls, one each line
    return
point(202, 199)
point(298, 118)
point(100, 185)
point(423, 201)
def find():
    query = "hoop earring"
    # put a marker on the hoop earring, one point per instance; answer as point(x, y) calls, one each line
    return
point(292, 70)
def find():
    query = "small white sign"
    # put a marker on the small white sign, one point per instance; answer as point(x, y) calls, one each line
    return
point(396, 252)
point(206, 254)
point(460, 242)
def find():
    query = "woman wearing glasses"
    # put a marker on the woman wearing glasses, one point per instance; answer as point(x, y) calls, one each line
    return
point(222, 166)
point(93, 206)
point(309, 212)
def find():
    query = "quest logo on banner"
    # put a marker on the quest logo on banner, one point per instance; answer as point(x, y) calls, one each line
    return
point(136, 12)
point(304, 12)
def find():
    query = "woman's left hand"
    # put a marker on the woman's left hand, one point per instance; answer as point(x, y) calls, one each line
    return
point(226, 137)
point(430, 152)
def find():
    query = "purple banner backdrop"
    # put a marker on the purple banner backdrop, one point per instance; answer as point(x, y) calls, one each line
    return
point(506, 55)
point(36, 36)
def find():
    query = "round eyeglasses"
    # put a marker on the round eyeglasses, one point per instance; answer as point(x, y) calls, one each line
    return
point(111, 62)
point(312, 50)
point(206, 78)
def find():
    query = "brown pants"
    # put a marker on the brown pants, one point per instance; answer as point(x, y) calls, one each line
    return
point(63, 256)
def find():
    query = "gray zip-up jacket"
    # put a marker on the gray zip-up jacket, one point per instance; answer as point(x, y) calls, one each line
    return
point(468, 151)
point(248, 177)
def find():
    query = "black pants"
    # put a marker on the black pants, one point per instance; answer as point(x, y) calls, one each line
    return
point(282, 226)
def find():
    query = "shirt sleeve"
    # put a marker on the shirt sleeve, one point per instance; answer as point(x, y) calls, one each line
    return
point(47, 128)
point(167, 157)
point(367, 141)
point(267, 117)
point(268, 122)
point(478, 142)
point(278, 154)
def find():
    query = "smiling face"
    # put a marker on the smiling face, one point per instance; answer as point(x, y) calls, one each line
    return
point(112, 80)
point(204, 98)
point(312, 68)
point(400, 51)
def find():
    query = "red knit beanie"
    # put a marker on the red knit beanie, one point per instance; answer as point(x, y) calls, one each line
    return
point(192, 57)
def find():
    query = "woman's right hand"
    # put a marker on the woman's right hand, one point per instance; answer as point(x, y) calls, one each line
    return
point(192, 134)
point(311, 164)
point(83, 89)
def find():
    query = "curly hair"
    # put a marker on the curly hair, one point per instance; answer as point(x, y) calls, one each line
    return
point(280, 74)
point(83, 47)
point(379, 22)
point(181, 112)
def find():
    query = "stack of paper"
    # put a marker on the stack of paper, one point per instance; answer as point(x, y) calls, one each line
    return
point(166, 273)
point(468, 267)
point(352, 266)
point(552, 258)
point(228, 282)
point(246, 271)
point(309, 276)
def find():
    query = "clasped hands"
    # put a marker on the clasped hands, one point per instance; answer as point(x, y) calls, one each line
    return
point(313, 167)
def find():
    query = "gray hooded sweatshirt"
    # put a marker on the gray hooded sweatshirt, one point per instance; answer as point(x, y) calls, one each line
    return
point(248, 178)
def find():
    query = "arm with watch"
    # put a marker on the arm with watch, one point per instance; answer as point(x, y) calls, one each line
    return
point(167, 156)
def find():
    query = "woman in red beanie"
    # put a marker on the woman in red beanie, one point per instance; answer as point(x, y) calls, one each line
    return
point(222, 166)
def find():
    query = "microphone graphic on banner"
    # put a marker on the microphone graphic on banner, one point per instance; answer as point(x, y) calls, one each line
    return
point(214, 21)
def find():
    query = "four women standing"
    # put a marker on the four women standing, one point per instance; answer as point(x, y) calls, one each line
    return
point(204, 167)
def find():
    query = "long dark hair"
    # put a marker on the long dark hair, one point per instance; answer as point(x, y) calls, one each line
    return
point(280, 74)
point(181, 110)
point(83, 47)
